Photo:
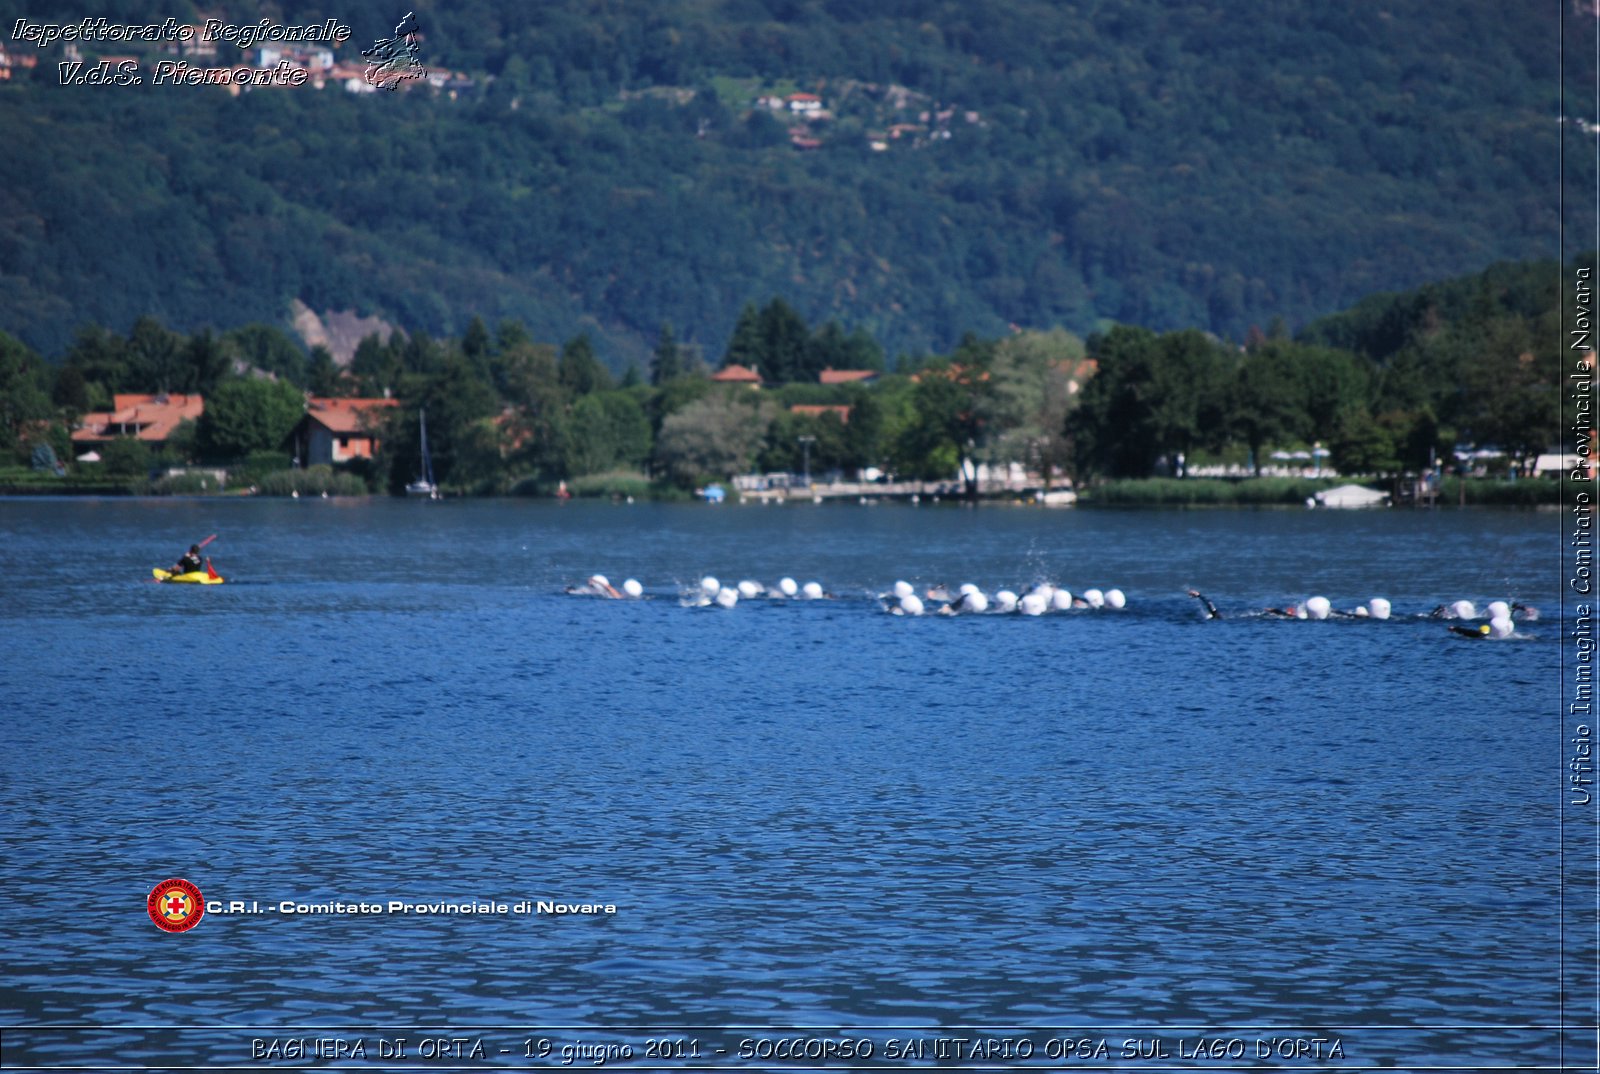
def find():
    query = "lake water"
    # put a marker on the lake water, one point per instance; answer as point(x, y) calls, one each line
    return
point(817, 822)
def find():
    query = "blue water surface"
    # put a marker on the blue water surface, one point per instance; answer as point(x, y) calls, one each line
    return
point(805, 813)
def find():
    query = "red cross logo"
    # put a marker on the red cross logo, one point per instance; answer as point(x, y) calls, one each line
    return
point(175, 905)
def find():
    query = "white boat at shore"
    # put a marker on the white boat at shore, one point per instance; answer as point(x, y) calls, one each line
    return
point(1349, 496)
point(424, 485)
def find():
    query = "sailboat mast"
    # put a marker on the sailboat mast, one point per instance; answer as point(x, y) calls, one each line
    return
point(427, 460)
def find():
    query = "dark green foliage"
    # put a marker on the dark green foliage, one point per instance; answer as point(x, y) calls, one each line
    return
point(245, 416)
point(506, 412)
point(579, 370)
point(1362, 445)
point(156, 357)
point(183, 445)
point(1268, 400)
point(257, 465)
point(1166, 164)
point(605, 431)
point(1198, 492)
point(464, 444)
point(268, 349)
point(24, 396)
point(1477, 358)
point(314, 481)
point(125, 457)
point(322, 375)
point(947, 423)
point(71, 391)
point(667, 362)
point(1116, 424)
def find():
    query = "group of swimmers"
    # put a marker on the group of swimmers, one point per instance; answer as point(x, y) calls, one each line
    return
point(903, 599)
point(1501, 615)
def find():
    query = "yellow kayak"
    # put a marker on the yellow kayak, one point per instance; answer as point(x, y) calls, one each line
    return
point(193, 577)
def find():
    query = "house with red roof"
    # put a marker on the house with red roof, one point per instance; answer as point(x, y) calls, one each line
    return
point(151, 418)
point(737, 374)
point(817, 410)
point(804, 103)
point(339, 430)
point(847, 376)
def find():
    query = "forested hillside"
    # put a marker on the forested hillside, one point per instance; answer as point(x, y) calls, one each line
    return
point(1396, 384)
point(606, 168)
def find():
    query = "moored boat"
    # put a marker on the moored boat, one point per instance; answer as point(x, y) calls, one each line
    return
point(424, 485)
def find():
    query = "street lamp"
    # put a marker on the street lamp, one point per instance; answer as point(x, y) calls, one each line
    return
point(805, 446)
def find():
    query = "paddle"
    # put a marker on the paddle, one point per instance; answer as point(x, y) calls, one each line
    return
point(211, 572)
point(209, 569)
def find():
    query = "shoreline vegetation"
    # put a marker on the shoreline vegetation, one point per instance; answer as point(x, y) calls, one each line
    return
point(1149, 492)
point(1460, 381)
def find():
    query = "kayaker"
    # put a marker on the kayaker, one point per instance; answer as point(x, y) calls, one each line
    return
point(190, 562)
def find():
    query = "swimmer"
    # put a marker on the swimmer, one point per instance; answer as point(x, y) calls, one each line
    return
point(971, 599)
point(595, 585)
point(1479, 631)
point(1205, 602)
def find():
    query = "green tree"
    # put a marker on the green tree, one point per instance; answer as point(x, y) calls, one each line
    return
point(183, 443)
point(248, 415)
point(377, 366)
point(24, 399)
point(668, 359)
point(1031, 392)
point(267, 348)
point(605, 430)
point(527, 377)
point(100, 358)
point(71, 391)
point(1336, 385)
point(713, 437)
point(785, 343)
point(463, 440)
point(205, 362)
point(1115, 430)
point(745, 345)
point(323, 375)
point(125, 457)
point(1362, 446)
point(1268, 400)
point(943, 430)
point(476, 343)
point(155, 361)
point(1511, 373)
point(579, 369)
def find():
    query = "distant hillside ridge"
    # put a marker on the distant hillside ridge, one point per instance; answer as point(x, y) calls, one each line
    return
point(913, 169)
